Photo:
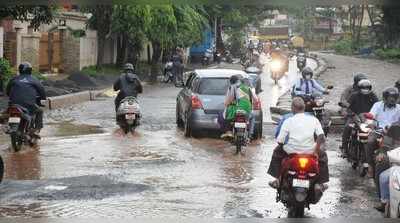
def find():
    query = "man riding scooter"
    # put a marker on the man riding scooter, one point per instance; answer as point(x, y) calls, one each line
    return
point(386, 113)
point(128, 84)
point(27, 91)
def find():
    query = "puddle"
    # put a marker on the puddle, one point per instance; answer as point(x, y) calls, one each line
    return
point(63, 129)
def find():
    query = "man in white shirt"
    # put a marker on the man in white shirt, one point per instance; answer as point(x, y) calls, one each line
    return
point(305, 136)
point(386, 112)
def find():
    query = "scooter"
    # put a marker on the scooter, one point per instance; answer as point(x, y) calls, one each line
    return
point(128, 114)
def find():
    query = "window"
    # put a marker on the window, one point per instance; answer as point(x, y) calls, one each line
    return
point(213, 86)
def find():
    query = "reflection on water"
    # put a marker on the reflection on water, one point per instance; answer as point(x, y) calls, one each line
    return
point(24, 165)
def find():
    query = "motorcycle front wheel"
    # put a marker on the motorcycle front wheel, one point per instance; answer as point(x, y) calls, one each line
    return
point(16, 141)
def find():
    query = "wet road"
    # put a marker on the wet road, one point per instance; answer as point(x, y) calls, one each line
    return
point(85, 167)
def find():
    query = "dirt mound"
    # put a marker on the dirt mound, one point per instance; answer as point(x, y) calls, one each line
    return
point(82, 79)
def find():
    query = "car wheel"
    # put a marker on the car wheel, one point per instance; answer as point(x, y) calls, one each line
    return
point(179, 121)
point(187, 130)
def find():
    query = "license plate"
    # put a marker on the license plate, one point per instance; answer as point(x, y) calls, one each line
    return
point(301, 183)
point(130, 116)
point(241, 125)
point(14, 120)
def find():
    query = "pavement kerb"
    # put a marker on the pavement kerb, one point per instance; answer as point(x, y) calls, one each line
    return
point(280, 109)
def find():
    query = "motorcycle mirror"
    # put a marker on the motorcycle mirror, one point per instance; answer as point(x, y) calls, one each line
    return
point(330, 87)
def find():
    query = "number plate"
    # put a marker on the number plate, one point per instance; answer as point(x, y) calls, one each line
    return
point(301, 183)
point(130, 116)
point(14, 120)
point(241, 125)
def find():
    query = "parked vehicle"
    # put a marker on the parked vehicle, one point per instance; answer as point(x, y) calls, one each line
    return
point(21, 127)
point(168, 74)
point(128, 114)
point(207, 57)
point(315, 104)
point(202, 99)
point(298, 179)
point(240, 131)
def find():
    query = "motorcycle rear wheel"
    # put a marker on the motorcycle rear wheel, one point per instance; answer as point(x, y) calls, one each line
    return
point(297, 211)
point(16, 141)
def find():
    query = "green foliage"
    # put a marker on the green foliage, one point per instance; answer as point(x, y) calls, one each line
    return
point(6, 70)
point(388, 54)
point(36, 14)
point(103, 70)
point(344, 46)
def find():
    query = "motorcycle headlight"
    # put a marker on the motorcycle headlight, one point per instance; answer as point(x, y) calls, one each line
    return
point(396, 179)
point(364, 127)
point(319, 102)
point(276, 65)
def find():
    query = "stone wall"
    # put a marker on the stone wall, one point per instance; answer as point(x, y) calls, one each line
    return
point(30, 44)
point(88, 49)
point(70, 52)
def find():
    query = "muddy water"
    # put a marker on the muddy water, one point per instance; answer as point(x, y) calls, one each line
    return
point(84, 166)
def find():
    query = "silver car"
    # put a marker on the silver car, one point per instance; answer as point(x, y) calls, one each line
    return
point(202, 99)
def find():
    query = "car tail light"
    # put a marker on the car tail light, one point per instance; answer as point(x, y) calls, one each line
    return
point(196, 103)
point(257, 104)
point(303, 162)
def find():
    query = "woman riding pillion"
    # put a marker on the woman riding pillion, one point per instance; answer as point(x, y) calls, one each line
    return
point(240, 96)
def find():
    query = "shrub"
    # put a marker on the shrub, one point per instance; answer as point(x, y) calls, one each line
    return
point(388, 54)
point(344, 47)
point(6, 70)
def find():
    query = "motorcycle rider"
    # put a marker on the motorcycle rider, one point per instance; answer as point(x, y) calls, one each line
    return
point(239, 96)
point(359, 102)
point(27, 91)
point(345, 96)
point(306, 85)
point(177, 68)
point(128, 84)
point(300, 134)
point(386, 112)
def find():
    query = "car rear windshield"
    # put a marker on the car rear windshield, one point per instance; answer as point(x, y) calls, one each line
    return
point(213, 86)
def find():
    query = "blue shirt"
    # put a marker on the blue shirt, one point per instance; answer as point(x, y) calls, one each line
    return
point(303, 86)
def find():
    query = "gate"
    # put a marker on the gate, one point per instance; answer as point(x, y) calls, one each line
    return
point(49, 52)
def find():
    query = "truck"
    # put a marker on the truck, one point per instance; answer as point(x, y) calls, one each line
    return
point(198, 51)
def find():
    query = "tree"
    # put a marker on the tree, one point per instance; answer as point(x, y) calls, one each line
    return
point(100, 21)
point(36, 14)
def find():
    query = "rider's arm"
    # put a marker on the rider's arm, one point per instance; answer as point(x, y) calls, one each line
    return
point(139, 86)
point(319, 132)
point(229, 97)
point(318, 87)
point(40, 89)
point(9, 85)
point(117, 84)
point(283, 133)
point(374, 109)
point(345, 96)
point(297, 88)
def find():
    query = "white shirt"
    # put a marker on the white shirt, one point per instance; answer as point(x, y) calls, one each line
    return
point(301, 129)
point(385, 116)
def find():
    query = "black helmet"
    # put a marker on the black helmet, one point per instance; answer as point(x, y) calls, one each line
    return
point(365, 86)
point(358, 77)
point(397, 84)
point(234, 79)
point(129, 67)
point(307, 71)
point(390, 96)
point(25, 68)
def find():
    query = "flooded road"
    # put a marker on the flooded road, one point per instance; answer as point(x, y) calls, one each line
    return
point(85, 167)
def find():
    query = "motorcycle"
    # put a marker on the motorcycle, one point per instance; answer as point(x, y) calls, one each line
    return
point(315, 104)
point(227, 57)
point(301, 61)
point(298, 178)
point(277, 69)
point(21, 127)
point(128, 114)
point(206, 60)
point(168, 74)
point(240, 131)
point(360, 130)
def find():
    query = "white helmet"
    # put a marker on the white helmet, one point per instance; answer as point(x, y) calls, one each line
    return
point(365, 86)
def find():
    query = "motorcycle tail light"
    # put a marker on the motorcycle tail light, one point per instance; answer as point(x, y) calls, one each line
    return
point(240, 118)
point(257, 104)
point(303, 162)
point(196, 103)
point(14, 112)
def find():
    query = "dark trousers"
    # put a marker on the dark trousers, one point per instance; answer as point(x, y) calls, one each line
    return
point(346, 136)
point(279, 154)
point(39, 119)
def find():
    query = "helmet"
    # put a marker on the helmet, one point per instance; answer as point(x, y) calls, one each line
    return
point(25, 68)
point(234, 79)
point(390, 96)
point(397, 84)
point(358, 77)
point(129, 67)
point(307, 72)
point(365, 86)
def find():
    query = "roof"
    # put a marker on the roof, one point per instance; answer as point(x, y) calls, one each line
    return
point(219, 73)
